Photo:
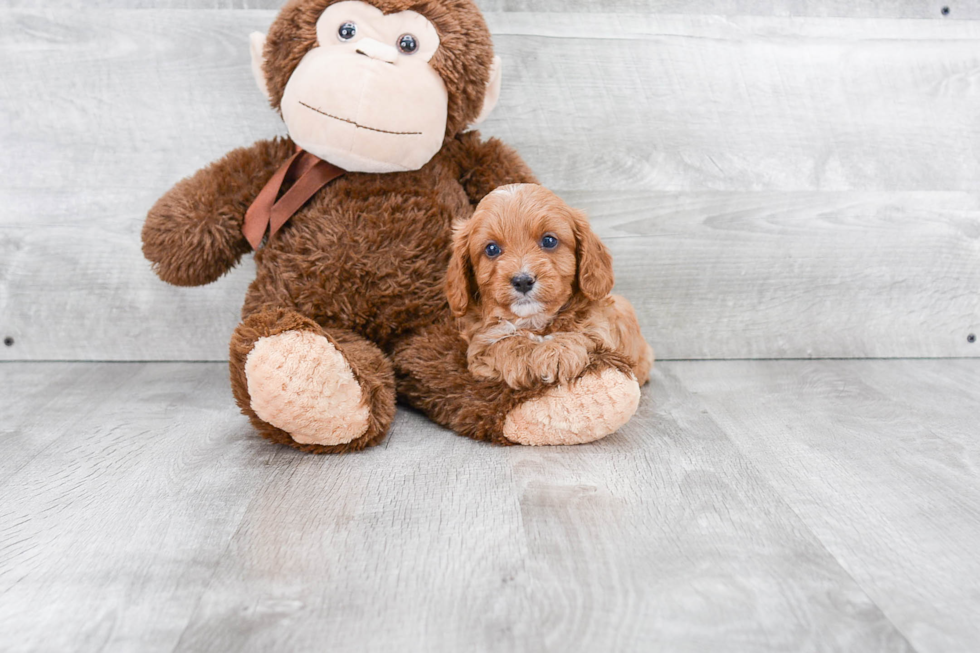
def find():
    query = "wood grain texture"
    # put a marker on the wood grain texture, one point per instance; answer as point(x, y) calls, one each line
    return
point(662, 537)
point(853, 140)
point(101, 113)
point(42, 402)
point(644, 102)
point(797, 275)
point(158, 521)
point(813, 8)
point(647, 102)
point(414, 546)
point(110, 532)
point(881, 460)
point(626, 102)
point(712, 275)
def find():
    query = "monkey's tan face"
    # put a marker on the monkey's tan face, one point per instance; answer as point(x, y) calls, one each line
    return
point(366, 99)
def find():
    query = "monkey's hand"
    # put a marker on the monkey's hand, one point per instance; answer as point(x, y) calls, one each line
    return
point(193, 234)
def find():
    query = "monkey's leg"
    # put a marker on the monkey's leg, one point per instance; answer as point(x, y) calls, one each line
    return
point(317, 389)
point(431, 374)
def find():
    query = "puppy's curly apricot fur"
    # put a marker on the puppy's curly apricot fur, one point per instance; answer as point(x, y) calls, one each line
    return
point(529, 282)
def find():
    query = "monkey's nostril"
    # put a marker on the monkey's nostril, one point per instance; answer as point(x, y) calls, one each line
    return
point(523, 283)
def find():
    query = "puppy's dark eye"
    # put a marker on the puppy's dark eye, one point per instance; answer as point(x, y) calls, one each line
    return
point(347, 31)
point(549, 242)
point(492, 250)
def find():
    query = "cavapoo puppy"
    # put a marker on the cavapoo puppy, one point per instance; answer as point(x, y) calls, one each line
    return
point(529, 283)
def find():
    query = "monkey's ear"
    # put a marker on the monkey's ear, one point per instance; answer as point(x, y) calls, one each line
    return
point(257, 46)
point(493, 90)
point(460, 284)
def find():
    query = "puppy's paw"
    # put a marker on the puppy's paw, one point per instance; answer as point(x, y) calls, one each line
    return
point(506, 360)
point(518, 373)
point(483, 370)
point(560, 359)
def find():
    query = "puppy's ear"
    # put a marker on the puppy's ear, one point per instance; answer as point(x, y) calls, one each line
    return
point(460, 282)
point(595, 271)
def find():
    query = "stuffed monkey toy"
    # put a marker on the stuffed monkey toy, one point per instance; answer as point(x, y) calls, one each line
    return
point(351, 221)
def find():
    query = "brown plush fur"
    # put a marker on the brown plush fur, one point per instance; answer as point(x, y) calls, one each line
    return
point(193, 235)
point(363, 262)
point(463, 59)
point(432, 375)
point(572, 311)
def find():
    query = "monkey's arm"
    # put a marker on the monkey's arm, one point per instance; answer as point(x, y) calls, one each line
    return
point(485, 165)
point(193, 234)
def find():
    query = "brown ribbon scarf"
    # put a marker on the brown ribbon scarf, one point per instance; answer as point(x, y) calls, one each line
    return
point(307, 173)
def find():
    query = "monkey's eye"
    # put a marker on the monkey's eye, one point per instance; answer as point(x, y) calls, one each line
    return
point(492, 250)
point(549, 242)
point(407, 44)
point(347, 31)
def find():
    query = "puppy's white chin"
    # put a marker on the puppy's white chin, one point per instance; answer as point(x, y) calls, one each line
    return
point(526, 308)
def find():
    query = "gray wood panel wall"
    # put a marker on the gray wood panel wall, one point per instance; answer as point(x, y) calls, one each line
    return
point(782, 185)
point(943, 9)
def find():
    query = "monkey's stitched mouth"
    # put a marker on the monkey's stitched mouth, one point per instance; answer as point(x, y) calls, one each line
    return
point(351, 122)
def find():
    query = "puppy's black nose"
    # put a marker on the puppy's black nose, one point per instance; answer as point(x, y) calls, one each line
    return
point(522, 283)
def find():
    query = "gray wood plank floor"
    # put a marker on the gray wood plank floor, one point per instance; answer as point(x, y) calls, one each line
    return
point(749, 506)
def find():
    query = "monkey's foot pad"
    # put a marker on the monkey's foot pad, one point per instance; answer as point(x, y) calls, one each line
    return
point(299, 382)
point(586, 410)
